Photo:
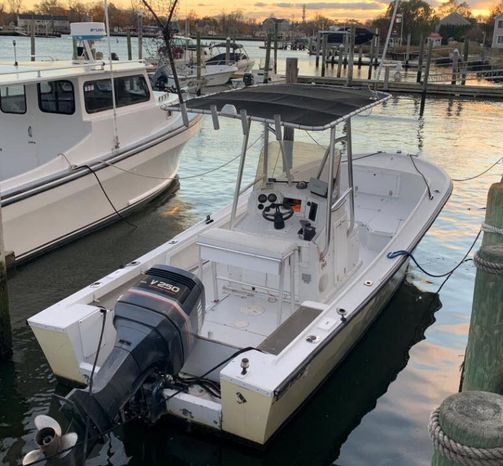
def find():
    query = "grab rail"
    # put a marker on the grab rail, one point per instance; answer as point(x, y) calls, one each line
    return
point(341, 199)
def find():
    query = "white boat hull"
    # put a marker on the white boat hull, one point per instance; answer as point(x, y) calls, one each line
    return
point(212, 75)
point(37, 219)
point(261, 416)
point(284, 368)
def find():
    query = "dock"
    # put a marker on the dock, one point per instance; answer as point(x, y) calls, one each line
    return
point(407, 87)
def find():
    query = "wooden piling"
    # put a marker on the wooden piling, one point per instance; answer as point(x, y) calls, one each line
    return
point(420, 59)
point(455, 67)
point(345, 57)
point(371, 58)
point(198, 57)
point(386, 77)
point(324, 55)
point(407, 51)
point(349, 75)
point(140, 35)
point(466, 46)
point(5, 326)
point(267, 64)
point(425, 79)
point(339, 61)
point(129, 48)
point(483, 368)
point(32, 39)
point(228, 51)
point(318, 47)
point(75, 53)
point(378, 40)
point(292, 73)
point(472, 420)
point(275, 47)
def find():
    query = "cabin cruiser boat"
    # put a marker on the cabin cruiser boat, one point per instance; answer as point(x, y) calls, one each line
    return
point(79, 149)
point(237, 56)
point(340, 35)
point(235, 322)
point(184, 51)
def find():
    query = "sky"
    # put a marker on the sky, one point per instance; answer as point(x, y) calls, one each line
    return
point(261, 9)
point(343, 9)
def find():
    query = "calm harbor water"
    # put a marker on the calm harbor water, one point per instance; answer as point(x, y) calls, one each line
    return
point(375, 408)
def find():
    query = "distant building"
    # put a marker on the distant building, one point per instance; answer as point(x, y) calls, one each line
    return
point(436, 38)
point(283, 25)
point(44, 24)
point(453, 27)
point(454, 19)
point(498, 32)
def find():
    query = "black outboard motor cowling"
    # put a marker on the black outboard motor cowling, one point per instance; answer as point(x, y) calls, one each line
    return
point(155, 321)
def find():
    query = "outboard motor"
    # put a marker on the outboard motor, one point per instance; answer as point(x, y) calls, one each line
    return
point(248, 79)
point(156, 321)
point(160, 79)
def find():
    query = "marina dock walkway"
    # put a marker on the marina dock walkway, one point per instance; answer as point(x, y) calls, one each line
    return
point(453, 90)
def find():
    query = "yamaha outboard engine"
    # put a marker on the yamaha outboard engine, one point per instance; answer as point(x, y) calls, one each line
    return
point(156, 320)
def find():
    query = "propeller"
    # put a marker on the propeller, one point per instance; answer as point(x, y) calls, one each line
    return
point(50, 442)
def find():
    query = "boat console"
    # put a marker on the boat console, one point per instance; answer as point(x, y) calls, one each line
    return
point(296, 211)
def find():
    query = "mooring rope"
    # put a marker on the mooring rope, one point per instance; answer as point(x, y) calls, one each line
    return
point(486, 265)
point(491, 228)
point(403, 252)
point(480, 174)
point(458, 453)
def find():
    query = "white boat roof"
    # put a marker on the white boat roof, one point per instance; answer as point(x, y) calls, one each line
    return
point(38, 71)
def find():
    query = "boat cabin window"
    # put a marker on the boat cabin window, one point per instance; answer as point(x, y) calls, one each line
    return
point(13, 99)
point(56, 97)
point(129, 90)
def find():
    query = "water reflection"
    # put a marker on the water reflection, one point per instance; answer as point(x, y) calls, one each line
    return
point(315, 435)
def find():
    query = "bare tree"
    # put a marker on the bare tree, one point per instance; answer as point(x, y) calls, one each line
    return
point(15, 5)
point(159, 10)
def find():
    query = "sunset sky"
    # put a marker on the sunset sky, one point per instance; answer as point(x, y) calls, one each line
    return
point(260, 9)
point(359, 9)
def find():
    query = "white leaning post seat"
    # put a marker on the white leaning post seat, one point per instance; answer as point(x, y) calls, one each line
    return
point(252, 252)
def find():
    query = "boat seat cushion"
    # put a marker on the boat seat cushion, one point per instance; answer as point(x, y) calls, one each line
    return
point(256, 252)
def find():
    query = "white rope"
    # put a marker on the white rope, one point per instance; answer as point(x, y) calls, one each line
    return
point(458, 453)
point(491, 229)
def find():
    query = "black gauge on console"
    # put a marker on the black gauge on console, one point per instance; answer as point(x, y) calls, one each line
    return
point(272, 197)
point(262, 198)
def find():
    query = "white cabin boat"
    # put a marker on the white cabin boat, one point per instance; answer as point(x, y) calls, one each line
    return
point(72, 158)
point(259, 303)
point(184, 51)
point(236, 56)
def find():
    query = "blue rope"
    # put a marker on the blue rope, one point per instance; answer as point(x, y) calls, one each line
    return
point(403, 252)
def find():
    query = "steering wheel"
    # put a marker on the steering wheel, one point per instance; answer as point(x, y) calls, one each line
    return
point(282, 212)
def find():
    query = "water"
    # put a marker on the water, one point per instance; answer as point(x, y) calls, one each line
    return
point(375, 408)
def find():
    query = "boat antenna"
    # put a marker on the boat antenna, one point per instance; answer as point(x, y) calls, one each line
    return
point(167, 36)
point(114, 101)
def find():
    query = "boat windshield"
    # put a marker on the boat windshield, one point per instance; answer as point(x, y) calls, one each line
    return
point(297, 154)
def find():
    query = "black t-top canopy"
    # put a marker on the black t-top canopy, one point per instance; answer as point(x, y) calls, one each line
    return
point(308, 106)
